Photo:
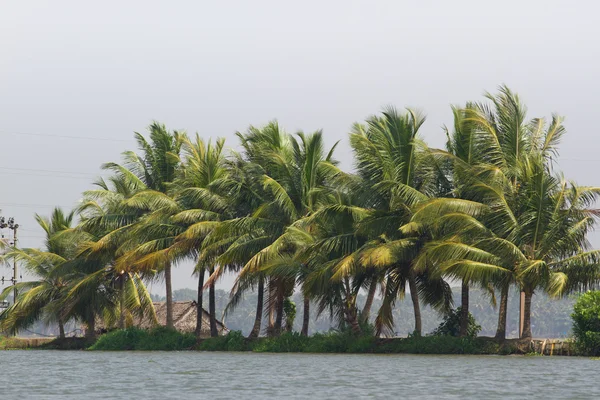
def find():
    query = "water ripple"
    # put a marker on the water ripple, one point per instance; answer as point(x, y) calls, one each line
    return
point(196, 375)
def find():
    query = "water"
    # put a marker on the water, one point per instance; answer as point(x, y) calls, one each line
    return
point(195, 375)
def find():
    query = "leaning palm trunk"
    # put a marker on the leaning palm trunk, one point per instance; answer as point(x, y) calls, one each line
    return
point(502, 312)
point(212, 308)
point(414, 295)
point(259, 309)
point(168, 286)
point(350, 309)
point(526, 334)
point(366, 311)
point(464, 309)
point(305, 316)
point(199, 309)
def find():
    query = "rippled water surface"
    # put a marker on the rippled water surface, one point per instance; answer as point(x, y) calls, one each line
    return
point(195, 375)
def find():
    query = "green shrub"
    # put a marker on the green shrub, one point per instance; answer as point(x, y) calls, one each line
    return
point(288, 342)
point(586, 323)
point(163, 338)
point(437, 345)
point(122, 339)
point(332, 342)
point(450, 326)
point(362, 344)
point(233, 341)
point(160, 338)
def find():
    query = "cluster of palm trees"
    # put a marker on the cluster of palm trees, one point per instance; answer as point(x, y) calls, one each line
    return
point(490, 211)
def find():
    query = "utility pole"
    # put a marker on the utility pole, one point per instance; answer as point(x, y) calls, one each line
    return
point(10, 224)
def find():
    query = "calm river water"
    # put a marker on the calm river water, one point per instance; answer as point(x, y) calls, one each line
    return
point(195, 375)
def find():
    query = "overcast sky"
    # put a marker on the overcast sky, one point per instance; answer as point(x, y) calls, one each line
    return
point(77, 78)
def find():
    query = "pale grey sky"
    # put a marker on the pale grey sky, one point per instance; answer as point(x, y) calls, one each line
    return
point(106, 69)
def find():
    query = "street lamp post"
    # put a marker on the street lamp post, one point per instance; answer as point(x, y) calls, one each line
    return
point(10, 224)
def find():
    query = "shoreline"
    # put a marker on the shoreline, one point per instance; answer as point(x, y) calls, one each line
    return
point(335, 343)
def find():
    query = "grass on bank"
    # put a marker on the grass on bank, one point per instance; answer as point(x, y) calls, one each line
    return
point(345, 343)
point(10, 343)
point(160, 338)
point(167, 339)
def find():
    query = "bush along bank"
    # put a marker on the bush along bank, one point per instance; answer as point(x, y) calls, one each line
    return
point(335, 342)
point(160, 338)
point(345, 343)
point(586, 324)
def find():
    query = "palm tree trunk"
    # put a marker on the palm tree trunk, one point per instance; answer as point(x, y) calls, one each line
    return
point(259, 309)
point(91, 326)
point(61, 329)
point(366, 311)
point(212, 308)
point(121, 302)
point(169, 295)
point(502, 312)
point(305, 317)
point(279, 318)
point(350, 309)
point(527, 316)
point(414, 295)
point(464, 309)
point(199, 309)
point(271, 322)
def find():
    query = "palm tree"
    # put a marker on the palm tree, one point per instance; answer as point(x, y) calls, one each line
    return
point(99, 286)
point(154, 169)
point(292, 173)
point(400, 173)
point(42, 297)
point(509, 170)
point(184, 217)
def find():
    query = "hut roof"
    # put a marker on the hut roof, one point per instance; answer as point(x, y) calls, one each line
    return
point(184, 318)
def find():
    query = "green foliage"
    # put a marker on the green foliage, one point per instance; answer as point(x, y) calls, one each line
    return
point(450, 326)
point(586, 323)
point(288, 342)
point(491, 211)
point(289, 308)
point(336, 342)
point(438, 345)
point(160, 338)
point(233, 341)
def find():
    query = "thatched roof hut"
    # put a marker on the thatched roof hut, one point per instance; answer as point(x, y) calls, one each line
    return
point(184, 319)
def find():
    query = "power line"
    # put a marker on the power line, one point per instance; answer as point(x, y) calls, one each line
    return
point(48, 171)
point(30, 205)
point(64, 136)
point(42, 175)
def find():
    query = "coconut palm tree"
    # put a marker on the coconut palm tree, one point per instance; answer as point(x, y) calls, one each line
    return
point(154, 169)
point(42, 297)
point(184, 217)
point(510, 172)
point(292, 173)
point(99, 286)
point(400, 173)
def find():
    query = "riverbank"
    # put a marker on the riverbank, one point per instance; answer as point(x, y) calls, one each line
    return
point(162, 339)
point(12, 343)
